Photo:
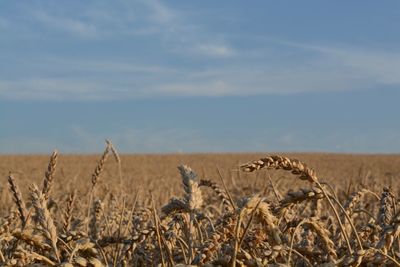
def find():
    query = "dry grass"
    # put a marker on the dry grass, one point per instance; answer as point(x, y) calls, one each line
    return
point(221, 211)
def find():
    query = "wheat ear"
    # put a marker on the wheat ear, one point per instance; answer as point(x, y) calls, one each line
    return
point(305, 173)
point(94, 225)
point(44, 218)
point(386, 210)
point(49, 175)
point(67, 213)
point(95, 177)
point(100, 166)
point(29, 237)
point(192, 198)
point(192, 193)
point(118, 160)
point(220, 193)
point(17, 196)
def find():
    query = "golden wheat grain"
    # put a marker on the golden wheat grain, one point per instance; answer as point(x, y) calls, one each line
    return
point(17, 196)
point(67, 213)
point(44, 218)
point(220, 193)
point(94, 225)
point(279, 162)
point(298, 229)
point(386, 210)
point(49, 175)
point(100, 166)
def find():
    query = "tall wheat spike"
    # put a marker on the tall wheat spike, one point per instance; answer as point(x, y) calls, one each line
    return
point(192, 198)
point(95, 177)
point(49, 175)
point(293, 229)
point(386, 210)
point(94, 226)
point(44, 218)
point(67, 213)
point(17, 196)
point(118, 160)
point(100, 166)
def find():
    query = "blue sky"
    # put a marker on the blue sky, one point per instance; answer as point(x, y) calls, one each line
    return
point(199, 76)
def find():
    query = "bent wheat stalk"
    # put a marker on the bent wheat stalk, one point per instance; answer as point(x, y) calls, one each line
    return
point(305, 173)
point(220, 193)
point(17, 196)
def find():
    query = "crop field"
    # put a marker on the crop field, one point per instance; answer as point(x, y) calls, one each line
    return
point(250, 209)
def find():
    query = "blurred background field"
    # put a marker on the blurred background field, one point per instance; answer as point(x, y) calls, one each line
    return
point(158, 173)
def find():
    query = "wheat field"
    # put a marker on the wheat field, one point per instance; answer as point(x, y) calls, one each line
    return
point(249, 209)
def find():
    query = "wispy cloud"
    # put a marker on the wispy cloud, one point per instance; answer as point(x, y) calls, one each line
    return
point(97, 19)
point(214, 50)
point(382, 67)
point(329, 69)
point(186, 58)
point(160, 13)
point(77, 27)
point(104, 66)
point(80, 139)
point(51, 89)
point(198, 88)
point(141, 140)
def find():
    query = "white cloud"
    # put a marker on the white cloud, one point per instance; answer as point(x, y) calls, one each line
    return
point(260, 79)
point(335, 70)
point(78, 139)
point(214, 50)
point(199, 88)
point(73, 26)
point(62, 89)
point(160, 13)
point(104, 66)
point(383, 67)
point(140, 140)
point(84, 80)
point(378, 66)
point(203, 63)
point(98, 19)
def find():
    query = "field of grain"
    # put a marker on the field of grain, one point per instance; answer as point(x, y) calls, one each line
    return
point(199, 209)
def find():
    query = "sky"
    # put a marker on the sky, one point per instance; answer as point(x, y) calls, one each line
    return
point(199, 76)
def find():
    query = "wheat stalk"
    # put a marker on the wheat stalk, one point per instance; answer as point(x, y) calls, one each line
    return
point(279, 162)
point(118, 160)
point(100, 166)
point(254, 231)
point(386, 210)
point(49, 175)
point(44, 218)
point(192, 198)
point(94, 225)
point(17, 196)
point(305, 173)
point(220, 193)
point(96, 176)
point(67, 213)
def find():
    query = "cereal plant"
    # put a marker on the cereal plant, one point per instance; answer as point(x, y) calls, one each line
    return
point(206, 224)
